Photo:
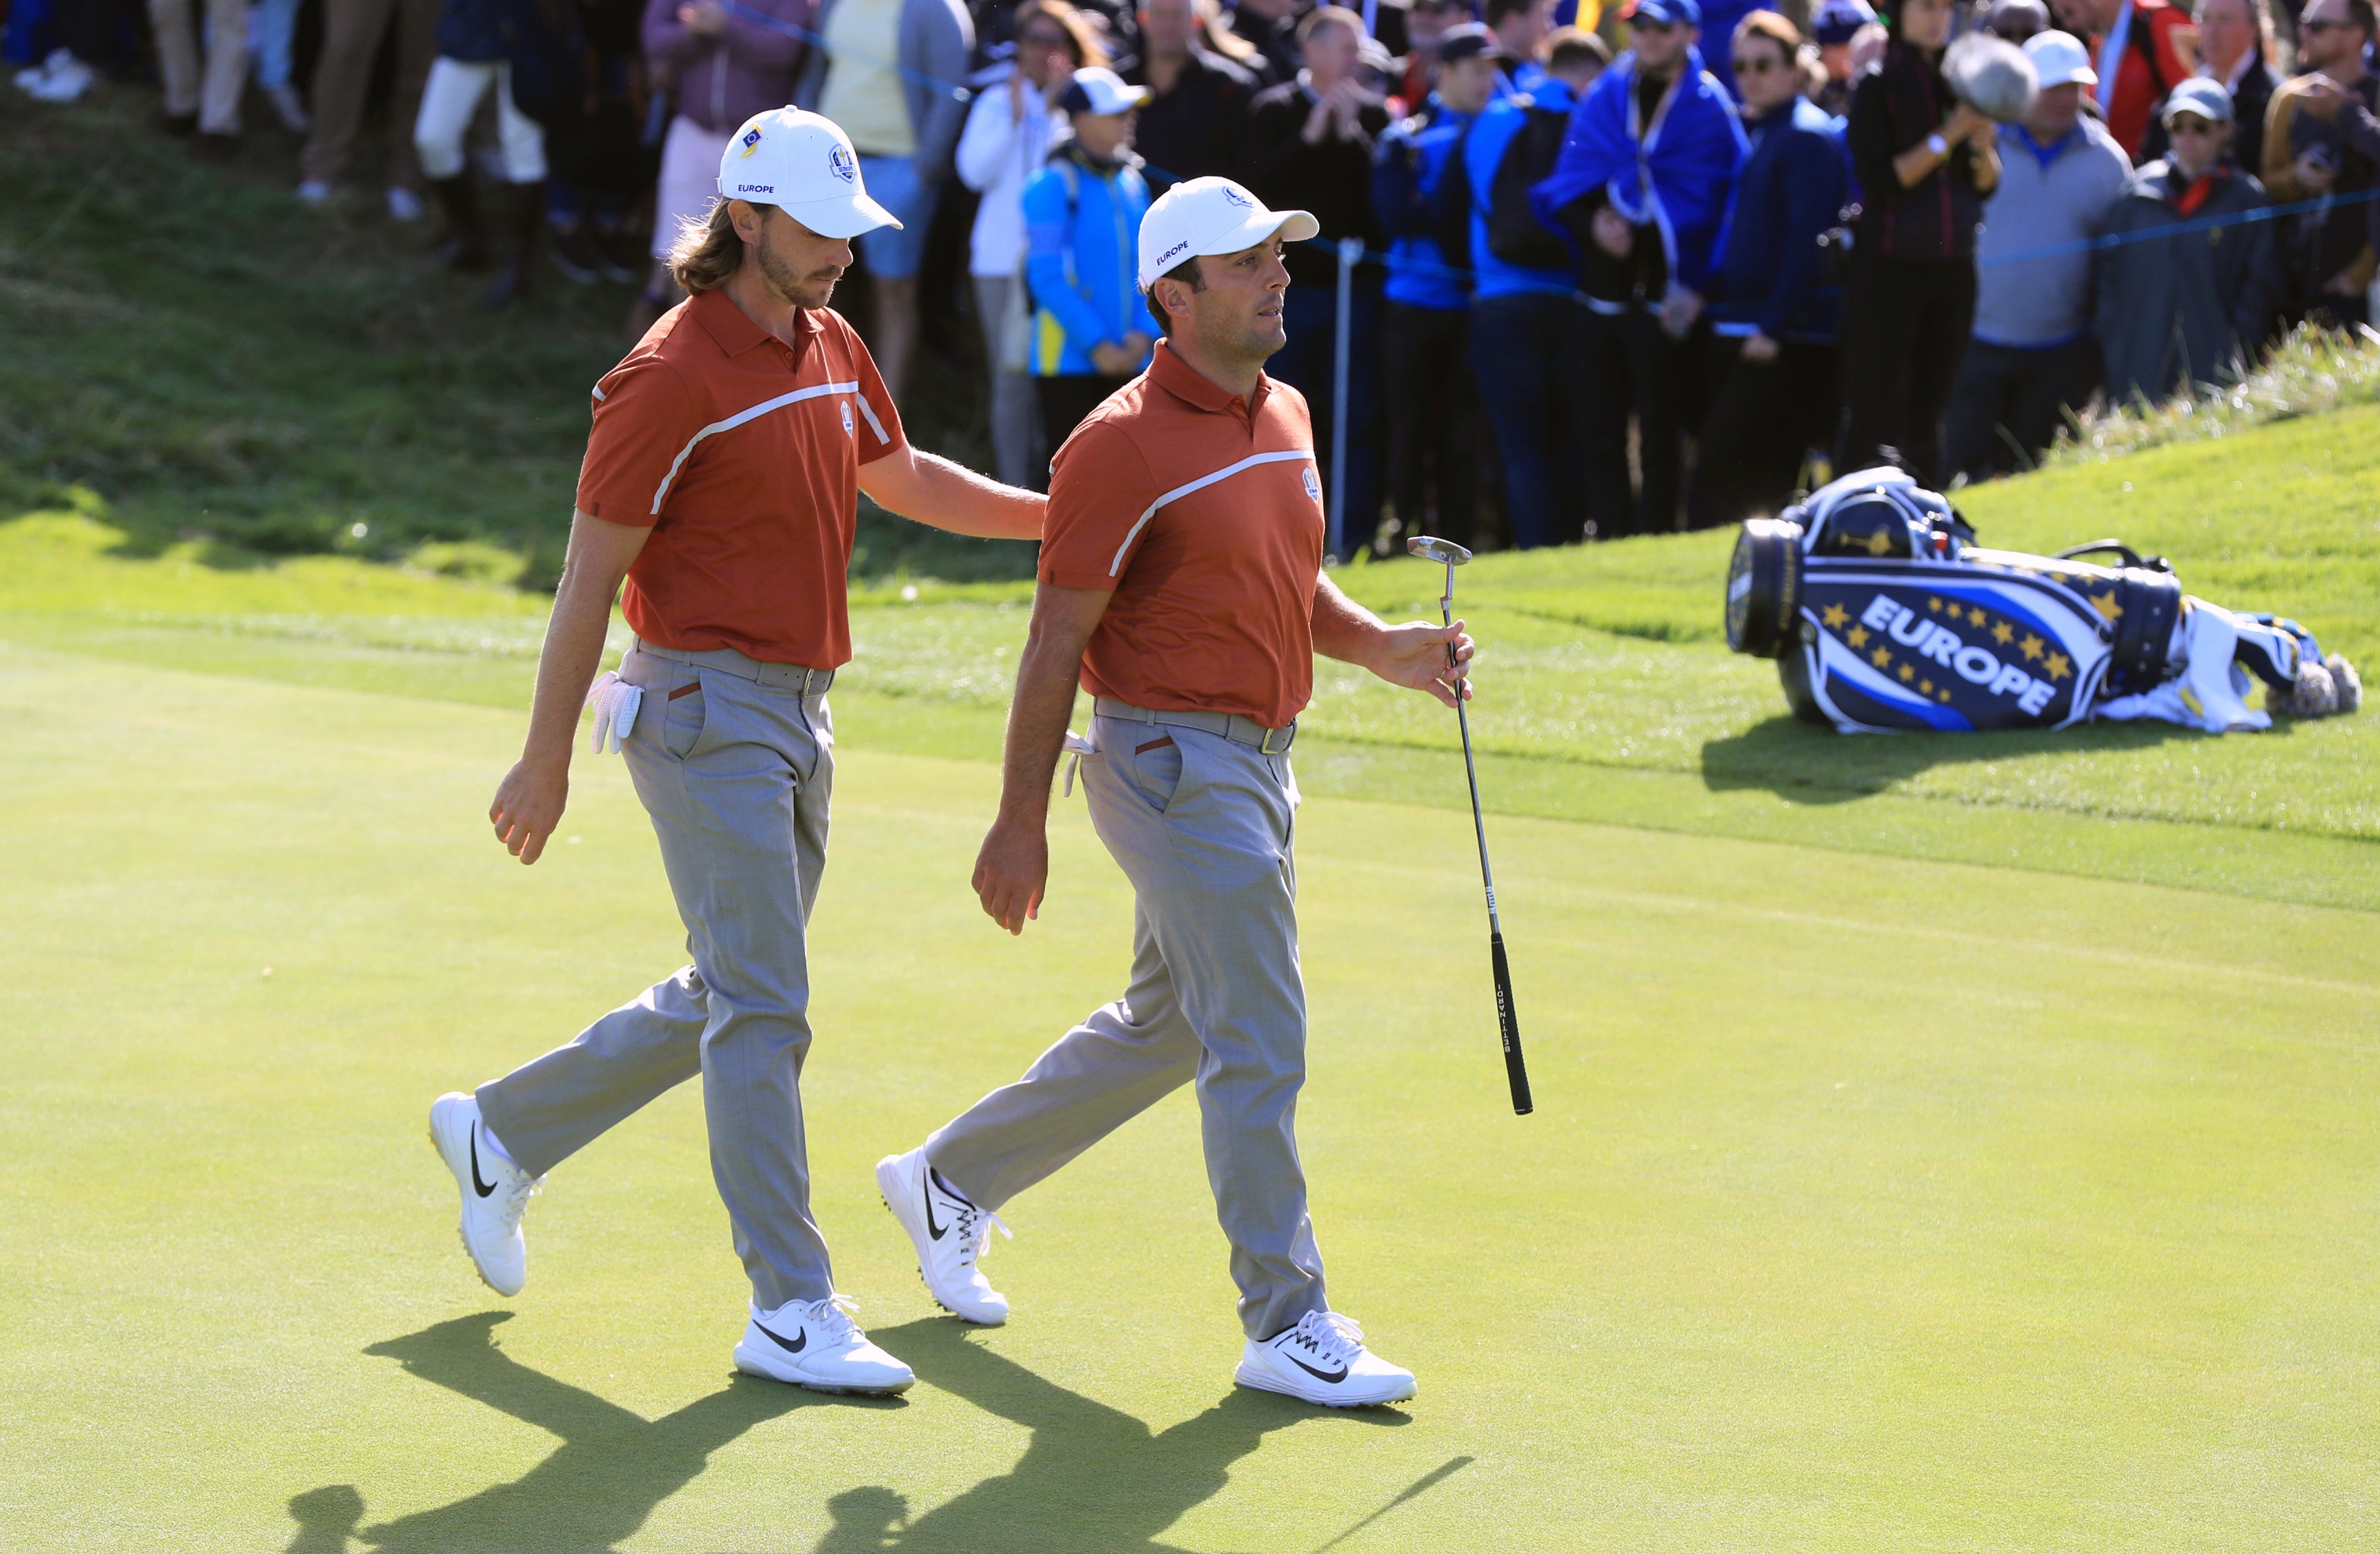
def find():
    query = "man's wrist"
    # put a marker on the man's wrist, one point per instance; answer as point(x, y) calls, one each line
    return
point(546, 755)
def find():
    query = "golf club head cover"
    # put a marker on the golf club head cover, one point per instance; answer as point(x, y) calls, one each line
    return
point(614, 702)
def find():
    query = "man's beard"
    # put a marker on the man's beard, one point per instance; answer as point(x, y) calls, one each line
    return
point(802, 292)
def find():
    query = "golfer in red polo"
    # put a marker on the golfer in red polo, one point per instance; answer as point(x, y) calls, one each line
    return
point(1182, 585)
point(721, 482)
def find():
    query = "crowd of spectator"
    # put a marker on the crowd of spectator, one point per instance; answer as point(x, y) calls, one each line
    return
point(1581, 272)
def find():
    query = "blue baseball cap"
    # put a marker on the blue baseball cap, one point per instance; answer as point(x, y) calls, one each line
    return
point(1666, 13)
point(1838, 21)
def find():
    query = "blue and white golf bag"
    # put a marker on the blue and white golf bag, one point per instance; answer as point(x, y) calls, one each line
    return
point(1884, 615)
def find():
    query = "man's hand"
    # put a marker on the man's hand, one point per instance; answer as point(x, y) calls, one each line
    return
point(1012, 871)
point(1759, 348)
point(1680, 308)
point(1611, 233)
point(2314, 175)
point(705, 18)
point(1414, 656)
point(529, 803)
point(1113, 361)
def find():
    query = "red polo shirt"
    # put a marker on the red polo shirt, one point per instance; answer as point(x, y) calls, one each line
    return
point(1202, 512)
point(742, 455)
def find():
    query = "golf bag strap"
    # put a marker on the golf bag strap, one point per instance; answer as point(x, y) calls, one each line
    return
point(1230, 725)
point(774, 677)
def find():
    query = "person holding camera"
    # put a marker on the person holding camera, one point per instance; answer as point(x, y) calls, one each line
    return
point(1924, 164)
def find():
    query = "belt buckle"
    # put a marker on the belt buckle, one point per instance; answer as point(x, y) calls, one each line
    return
point(1264, 746)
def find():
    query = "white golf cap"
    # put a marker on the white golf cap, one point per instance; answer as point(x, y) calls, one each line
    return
point(803, 164)
point(1200, 216)
point(1099, 91)
point(2059, 59)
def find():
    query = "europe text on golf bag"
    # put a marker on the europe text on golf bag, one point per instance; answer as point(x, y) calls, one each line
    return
point(1884, 615)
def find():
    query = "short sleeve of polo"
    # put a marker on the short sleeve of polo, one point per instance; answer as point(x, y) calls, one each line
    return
point(1101, 493)
point(644, 420)
point(883, 434)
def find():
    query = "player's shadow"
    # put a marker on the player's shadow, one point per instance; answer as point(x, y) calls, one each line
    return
point(597, 1488)
point(1805, 764)
point(1093, 1480)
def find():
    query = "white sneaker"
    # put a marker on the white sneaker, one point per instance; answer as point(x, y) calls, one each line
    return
point(494, 1191)
point(64, 78)
point(816, 1344)
point(950, 1234)
point(1323, 1360)
point(402, 203)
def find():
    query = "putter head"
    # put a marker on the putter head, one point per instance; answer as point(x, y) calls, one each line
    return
point(1430, 548)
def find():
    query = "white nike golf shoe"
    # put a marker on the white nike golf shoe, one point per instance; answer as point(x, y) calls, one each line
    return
point(494, 1191)
point(1323, 1360)
point(816, 1344)
point(950, 1233)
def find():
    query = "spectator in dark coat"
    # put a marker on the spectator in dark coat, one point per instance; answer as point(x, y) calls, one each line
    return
point(1433, 405)
point(2235, 48)
point(2175, 314)
point(1925, 165)
point(2327, 252)
point(1771, 352)
point(1310, 148)
point(1196, 120)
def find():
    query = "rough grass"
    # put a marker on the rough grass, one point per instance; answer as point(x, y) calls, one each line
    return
point(221, 364)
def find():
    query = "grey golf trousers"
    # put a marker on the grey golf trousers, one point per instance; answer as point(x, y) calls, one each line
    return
point(1203, 828)
point(737, 776)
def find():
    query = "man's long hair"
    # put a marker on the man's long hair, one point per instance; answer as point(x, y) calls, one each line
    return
point(708, 252)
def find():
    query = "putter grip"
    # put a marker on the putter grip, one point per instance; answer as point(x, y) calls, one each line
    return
point(1509, 1020)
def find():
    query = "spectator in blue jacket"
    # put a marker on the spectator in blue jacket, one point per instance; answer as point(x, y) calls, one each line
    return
point(1082, 234)
point(1527, 327)
point(1770, 358)
point(1643, 186)
point(1432, 401)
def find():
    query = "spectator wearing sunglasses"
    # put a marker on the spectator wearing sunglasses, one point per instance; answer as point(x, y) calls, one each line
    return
point(1770, 358)
point(2329, 251)
point(2174, 315)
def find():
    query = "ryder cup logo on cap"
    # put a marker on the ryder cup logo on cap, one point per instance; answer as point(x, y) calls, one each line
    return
point(1210, 216)
point(802, 163)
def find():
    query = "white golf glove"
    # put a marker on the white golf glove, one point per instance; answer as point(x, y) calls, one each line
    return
point(1077, 748)
point(616, 703)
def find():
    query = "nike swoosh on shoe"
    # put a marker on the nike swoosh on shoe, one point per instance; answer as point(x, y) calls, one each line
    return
point(795, 1347)
point(483, 1188)
point(1340, 1375)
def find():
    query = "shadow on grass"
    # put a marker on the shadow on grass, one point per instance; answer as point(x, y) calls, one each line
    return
point(597, 1488)
point(1093, 1481)
point(1804, 764)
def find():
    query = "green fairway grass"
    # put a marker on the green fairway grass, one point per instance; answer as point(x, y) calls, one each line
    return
point(1868, 1204)
point(1606, 692)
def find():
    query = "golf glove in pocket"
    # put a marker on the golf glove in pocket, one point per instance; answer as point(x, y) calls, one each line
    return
point(1075, 748)
point(616, 703)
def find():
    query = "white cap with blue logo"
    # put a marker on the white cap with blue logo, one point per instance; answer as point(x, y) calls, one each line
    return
point(1201, 216)
point(802, 163)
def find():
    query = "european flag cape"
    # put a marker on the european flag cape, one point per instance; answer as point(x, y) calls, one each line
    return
point(1675, 174)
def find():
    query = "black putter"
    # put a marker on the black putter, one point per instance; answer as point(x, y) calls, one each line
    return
point(1454, 556)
